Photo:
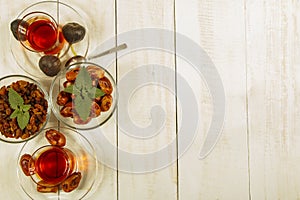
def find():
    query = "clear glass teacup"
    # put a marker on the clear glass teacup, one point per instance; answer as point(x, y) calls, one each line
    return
point(39, 32)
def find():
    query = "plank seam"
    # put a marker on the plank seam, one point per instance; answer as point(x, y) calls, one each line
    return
point(176, 106)
point(247, 100)
point(117, 113)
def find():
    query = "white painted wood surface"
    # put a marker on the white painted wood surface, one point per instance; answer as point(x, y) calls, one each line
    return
point(273, 77)
point(254, 45)
point(220, 32)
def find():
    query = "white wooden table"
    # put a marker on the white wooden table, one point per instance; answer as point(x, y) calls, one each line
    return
point(255, 47)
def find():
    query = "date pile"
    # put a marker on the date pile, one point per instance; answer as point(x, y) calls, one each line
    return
point(100, 104)
point(38, 110)
point(56, 139)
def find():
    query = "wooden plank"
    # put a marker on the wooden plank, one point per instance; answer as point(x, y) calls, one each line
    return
point(142, 178)
point(273, 76)
point(101, 27)
point(218, 28)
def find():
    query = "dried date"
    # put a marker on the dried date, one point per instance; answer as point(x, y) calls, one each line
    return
point(67, 110)
point(71, 182)
point(55, 138)
point(106, 102)
point(43, 187)
point(63, 98)
point(105, 85)
point(95, 72)
point(24, 163)
point(95, 110)
point(72, 74)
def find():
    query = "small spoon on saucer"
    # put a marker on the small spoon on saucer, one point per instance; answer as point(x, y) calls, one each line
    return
point(79, 58)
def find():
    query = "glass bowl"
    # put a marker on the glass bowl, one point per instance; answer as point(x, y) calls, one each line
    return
point(84, 161)
point(62, 13)
point(39, 111)
point(67, 110)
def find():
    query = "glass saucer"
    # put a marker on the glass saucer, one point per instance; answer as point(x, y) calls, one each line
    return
point(86, 164)
point(62, 13)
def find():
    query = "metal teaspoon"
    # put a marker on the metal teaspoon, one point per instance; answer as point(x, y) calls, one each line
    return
point(79, 58)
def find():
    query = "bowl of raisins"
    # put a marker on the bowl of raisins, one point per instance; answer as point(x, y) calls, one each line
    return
point(24, 108)
point(83, 95)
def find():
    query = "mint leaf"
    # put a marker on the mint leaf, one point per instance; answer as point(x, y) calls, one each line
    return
point(25, 107)
point(20, 112)
point(15, 114)
point(72, 89)
point(83, 79)
point(95, 93)
point(14, 99)
point(84, 92)
point(23, 119)
point(69, 89)
point(99, 93)
point(83, 107)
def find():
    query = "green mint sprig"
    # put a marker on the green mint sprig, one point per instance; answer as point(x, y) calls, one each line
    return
point(84, 92)
point(21, 111)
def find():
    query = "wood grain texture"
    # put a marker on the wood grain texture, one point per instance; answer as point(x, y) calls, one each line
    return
point(273, 76)
point(218, 27)
point(254, 45)
point(132, 15)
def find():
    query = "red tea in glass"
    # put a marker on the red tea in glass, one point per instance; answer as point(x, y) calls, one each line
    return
point(52, 165)
point(42, 32)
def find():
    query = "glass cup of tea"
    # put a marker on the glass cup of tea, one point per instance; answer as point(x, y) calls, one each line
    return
point(39, 32)
point(51, 165)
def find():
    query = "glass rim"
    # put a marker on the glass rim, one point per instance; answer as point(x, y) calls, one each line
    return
point(77, 126)
point(38, 13)
point(37, 153)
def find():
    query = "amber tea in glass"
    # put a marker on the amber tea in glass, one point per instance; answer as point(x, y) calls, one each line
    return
point(42, 33)
point(51, 165)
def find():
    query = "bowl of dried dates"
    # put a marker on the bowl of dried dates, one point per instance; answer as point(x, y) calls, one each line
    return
point(83, 96)
point(60, 163)
point(24, 108)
